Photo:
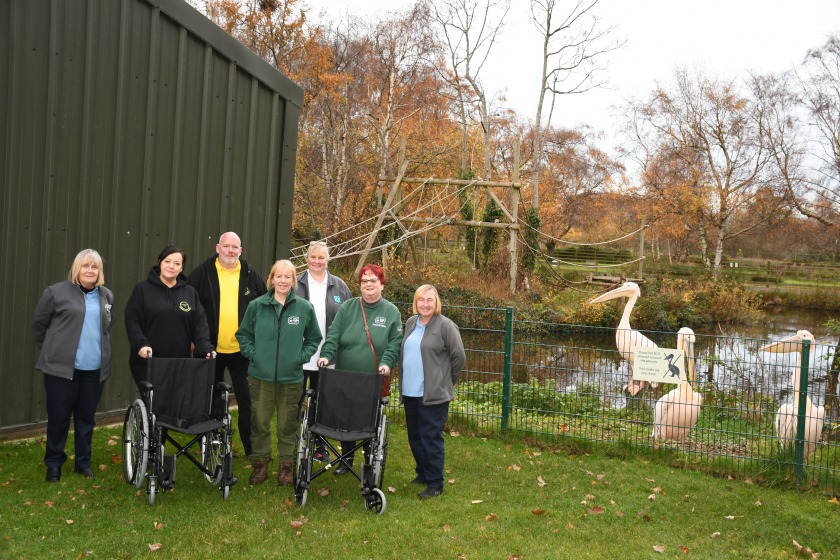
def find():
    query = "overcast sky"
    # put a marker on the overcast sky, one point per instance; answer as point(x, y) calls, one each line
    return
point(725, 37)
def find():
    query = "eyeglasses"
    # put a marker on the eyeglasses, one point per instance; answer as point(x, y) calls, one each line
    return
point(318, 243)
point(368, 280)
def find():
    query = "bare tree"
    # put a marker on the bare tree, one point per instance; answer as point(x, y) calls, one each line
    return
point(470, 28)
point(821, 96)
point(705, 138)
point(574, 42)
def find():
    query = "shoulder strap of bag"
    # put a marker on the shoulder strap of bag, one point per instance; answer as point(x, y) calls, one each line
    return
point(367, 332)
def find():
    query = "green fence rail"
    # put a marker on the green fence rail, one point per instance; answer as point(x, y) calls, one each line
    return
point(564, 382)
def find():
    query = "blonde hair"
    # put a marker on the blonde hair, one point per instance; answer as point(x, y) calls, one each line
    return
point(84, 256)
point(321, 246)
point(277, 267)
point(420, 292)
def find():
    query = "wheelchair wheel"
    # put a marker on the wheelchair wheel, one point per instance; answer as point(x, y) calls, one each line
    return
point(380, 454)
point(212, 456)
point(152, 490)
point(375, 501)
point(135, 451)
point(225, 492)
point(302, 466)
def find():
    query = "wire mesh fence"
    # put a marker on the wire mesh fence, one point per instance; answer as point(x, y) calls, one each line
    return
point(758, 409)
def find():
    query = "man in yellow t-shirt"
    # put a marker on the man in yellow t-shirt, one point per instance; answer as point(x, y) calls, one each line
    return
point(226, 284)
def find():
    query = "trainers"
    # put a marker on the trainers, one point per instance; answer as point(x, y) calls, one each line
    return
point(419, 480)
point(284, 475)
point(431, 492)
point(342, 469)
point(260, 473)
point(322, 455)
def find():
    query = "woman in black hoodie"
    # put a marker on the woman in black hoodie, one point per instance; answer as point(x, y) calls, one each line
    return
point(164, 316)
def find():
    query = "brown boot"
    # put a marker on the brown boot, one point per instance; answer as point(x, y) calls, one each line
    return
point(284, 475)
point(260, 473)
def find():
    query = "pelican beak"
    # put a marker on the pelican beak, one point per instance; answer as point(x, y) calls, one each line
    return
point(625, 290)
point(787, 345)
point(688, 348)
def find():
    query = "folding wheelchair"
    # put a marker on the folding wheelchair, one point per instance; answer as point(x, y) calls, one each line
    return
point(347, 406)
point(179, 396)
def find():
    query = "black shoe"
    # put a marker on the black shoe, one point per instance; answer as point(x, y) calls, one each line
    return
point(431, 492)
point(342, 469)
point(53, 474)
point(419, 480)
point(84, 471)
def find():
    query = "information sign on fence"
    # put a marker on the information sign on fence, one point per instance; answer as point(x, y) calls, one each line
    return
point(658, 365)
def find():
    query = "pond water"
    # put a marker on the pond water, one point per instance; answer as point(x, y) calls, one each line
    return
point(727, 360)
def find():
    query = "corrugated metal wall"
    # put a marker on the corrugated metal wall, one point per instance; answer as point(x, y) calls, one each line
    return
point(127, 125)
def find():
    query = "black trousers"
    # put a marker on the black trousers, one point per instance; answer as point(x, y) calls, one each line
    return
point(77, 397)
point(425, 437)
point(237, 365)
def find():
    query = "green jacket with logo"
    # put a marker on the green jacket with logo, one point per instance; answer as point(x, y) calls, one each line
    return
point(347, 344)
point(278, 339)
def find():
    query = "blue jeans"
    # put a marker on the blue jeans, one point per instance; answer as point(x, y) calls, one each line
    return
point(425, 438)
point(77, 397)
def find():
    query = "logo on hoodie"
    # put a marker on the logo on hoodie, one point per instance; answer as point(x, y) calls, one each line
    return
point(379, 322)
point(294, 320)
point(185, 307)
point(337, 299)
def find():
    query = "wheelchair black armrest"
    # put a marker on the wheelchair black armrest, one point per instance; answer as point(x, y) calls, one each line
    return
point(223, 386)
point(145, 386)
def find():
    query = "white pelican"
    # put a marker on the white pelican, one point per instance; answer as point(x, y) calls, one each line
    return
point(625, 337)
point(786, 417)
point(677, 412)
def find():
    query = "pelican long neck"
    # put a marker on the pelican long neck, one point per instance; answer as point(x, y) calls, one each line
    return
point(628, 309)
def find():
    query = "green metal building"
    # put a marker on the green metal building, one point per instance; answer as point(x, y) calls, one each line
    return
point(126, 126)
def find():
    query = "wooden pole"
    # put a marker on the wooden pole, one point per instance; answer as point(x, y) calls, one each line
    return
point(514, 216)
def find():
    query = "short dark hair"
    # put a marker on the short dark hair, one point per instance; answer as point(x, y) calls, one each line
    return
point(374, 269)
point(171, 249)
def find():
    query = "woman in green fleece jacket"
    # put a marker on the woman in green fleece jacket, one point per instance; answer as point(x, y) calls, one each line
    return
point(347, 342)
point(278, 334)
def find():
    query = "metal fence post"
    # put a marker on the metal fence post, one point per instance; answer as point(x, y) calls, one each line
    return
point(508, 368)
point(799, 449)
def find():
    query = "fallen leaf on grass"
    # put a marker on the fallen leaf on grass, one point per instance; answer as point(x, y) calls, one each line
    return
point(454, 433)
point(834, 501)
point(731, 517)
point(392, 490)
point(296, 524)
point(476, 501)
point(514, 467)
point(68, 521)
point(805, 550)
point(155, 546)
point(597, 510)
point(758, 503)
point(657, 490)
point(451, 481)
point(323, 492)
point(540, 481)
point(113, 441)
point(49, 503)
point(659, 548)
point(158, 525)
point(715, 535)
point(115, 459)
point(491, 517)
point(652, 497)
point(515, 557)
point(446, 528)
point(538, 511)
point(461, 557)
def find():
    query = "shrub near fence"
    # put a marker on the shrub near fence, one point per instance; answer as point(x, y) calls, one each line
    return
point(564, 383)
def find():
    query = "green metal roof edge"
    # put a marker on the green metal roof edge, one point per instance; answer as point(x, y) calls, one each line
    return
point(195, 22)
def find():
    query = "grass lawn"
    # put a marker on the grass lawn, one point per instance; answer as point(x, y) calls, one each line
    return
point(503, 499)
